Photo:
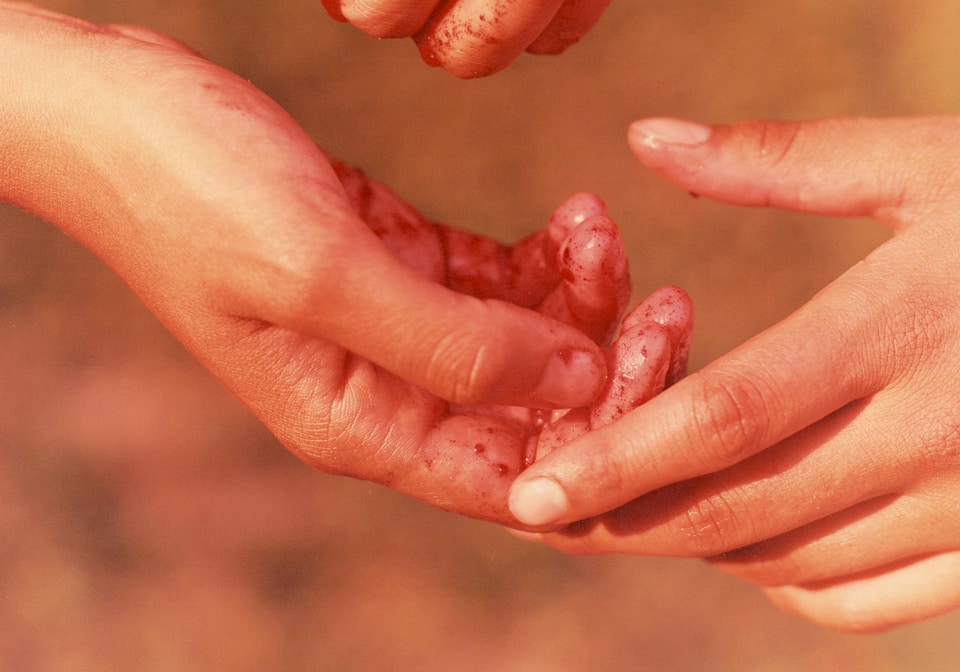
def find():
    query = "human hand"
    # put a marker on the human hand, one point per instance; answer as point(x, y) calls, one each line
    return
point(474, 38)
point(237, 232)
point(821, 459)
point(574, 271)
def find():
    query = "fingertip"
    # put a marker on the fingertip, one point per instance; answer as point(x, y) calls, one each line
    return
point(671, 307)
point(573, 20)
point(570, 379)
point(659, 132)
point(505, 354)
point(595, 275)
point(807, 604)
point(639, 364)
point(334, 10)
point(538, 502)
point(525, 535)
point(469, 43)
point(573, 212)
point(814, 166)
point(552, 44)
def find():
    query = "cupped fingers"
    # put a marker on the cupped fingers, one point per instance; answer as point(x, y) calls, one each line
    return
point(466, 349)
point(890, 169)
point(461, 348)
point(922, 588)
point(410, 236)
point(574, 270)
point(475, 38)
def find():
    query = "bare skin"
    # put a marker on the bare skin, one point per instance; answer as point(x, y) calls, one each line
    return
point(371, 341)
point(821, 459)
point(474, 38)
point(237, 232)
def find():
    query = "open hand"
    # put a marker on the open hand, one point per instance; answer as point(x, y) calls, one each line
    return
point(821, 459)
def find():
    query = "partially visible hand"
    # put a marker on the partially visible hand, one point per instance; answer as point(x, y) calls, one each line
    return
point(474, 38)
point(821, 459)
point(315, 295)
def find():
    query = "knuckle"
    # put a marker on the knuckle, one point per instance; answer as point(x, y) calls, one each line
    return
point(938, 440)
point(920, 352)
point(729, 418)
point(465, 370)
point(916, 330)
point(777, 139)
point(710, 526)
point(930, 181)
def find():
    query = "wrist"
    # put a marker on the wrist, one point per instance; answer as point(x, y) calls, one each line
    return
point(52, 158)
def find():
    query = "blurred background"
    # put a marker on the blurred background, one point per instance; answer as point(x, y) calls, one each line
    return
point(149, 523)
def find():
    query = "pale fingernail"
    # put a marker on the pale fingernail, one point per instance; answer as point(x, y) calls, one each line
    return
point(572, 378)
point(665, 131)
point(540, 501)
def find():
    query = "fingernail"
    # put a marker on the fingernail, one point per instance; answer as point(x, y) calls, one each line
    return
point(572, 378)
point(663, 131)
point(540, 501)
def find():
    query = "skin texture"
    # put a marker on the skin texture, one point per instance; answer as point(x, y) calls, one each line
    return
point(474, 38)
point(821, 459)
point(326, 311)
point(574, 270)
point(649, 355)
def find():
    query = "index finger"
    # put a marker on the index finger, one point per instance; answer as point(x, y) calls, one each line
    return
point(750, 399)
point(795, 373)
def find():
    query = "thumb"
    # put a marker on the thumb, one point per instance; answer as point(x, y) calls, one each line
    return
point(887, 169)
point(464, 348)
point(358, 294)
point(461, 348)
point(460, 38)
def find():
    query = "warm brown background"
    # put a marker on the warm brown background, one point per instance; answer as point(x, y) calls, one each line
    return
point(148, 523)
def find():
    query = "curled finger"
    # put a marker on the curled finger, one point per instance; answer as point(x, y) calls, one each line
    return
point(573, 20)
point(524, 273)
point(672, 308)
point(382, 18)
point(595, 286)
point(637, 365)
point(911, 591)
point(475, 38)
point(465, 349)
